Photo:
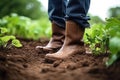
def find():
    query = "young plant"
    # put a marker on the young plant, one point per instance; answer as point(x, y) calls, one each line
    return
point(7, 41)
point(97, 39)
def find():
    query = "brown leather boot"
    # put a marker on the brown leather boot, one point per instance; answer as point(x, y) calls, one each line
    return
point(56, 42)
point(72, 44)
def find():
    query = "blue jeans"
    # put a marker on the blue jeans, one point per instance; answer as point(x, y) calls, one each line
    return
point(76, 10)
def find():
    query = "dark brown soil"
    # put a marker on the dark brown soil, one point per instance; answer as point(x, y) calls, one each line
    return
point(27, 64)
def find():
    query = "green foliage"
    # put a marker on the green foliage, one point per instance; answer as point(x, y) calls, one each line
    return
point(95, 20)
point(115, 50)
point(6, 41)
point(104, 39)
point(114, 12)
point(113, 29)
point(16, 43)
point(45, 27)
point(29, 8)
point(24, 27)
point(97, 38)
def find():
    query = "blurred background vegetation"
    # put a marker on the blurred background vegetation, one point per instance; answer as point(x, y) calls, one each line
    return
point(32, 15)
point(25, 18)
point(29, 8)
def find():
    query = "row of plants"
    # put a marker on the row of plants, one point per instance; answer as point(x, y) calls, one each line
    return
point(105, 39)
point(24, 27)
point(21, 27)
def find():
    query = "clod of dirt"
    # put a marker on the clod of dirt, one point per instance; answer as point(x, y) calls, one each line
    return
point(47, 69)
point(2, 73)
point(61, 70)
point(25, 65)
point(72, 66)
point(49, 61)
point(12, 64)
point(95, 70)
point(19, 58)
point(57, 63)
point(85, 64)
point(2, 58)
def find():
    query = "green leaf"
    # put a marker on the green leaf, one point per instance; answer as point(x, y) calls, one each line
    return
point(111, 60)
point(16, 43)
point(114, 49)
point(114, 45)
point(3, 30)
point(7, 38)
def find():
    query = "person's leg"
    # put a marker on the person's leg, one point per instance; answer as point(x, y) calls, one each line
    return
point(77, 11)
point(56, 12)
point(76, 21)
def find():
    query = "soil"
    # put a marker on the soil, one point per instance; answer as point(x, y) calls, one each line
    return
point(27, 64)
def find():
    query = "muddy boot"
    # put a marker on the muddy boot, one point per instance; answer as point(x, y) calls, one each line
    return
point(56, 42)
point(72, 44)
